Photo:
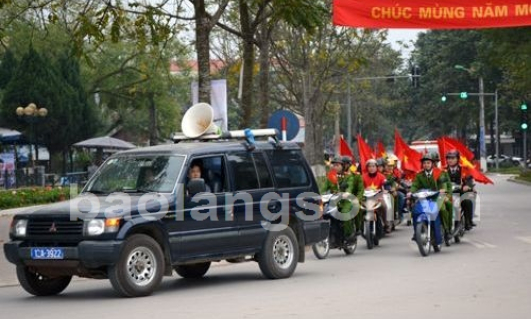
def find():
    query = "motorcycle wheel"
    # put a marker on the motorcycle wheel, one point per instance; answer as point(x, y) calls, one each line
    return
point(422, 238)
point(350, 249)
point(380, 232)
point(321, 249)
point(368, 235)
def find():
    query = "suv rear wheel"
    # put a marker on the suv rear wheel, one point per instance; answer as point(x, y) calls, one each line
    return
point(280, 254)
point(140, 267)
point(40, 285)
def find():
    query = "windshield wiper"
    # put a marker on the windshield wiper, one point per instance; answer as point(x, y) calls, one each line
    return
point(96, 192)
point(140, 190)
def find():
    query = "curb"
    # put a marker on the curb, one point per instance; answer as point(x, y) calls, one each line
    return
point(517, 181)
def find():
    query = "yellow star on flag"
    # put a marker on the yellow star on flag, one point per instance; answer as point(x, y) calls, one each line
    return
point(466, 163)
point(372, 186)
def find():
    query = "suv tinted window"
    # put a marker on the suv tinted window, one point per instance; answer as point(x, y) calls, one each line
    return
point(264, 177)
point(249, 171)
point(243, 171)
point(288, 169)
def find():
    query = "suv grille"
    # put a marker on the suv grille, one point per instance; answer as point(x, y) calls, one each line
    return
point(55, 227)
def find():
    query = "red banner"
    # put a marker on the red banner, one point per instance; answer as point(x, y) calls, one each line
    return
point(425, 14)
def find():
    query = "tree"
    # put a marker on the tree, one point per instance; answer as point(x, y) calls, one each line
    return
point(254, 26)
point(37, 81)
point(310, 68)
point(8, 66)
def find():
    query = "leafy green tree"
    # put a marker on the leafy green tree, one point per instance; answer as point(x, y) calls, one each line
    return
point(310, 70)
point(8, 66)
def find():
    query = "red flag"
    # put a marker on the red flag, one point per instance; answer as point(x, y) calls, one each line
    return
point(468, 169)
point(409, 157)
point(364, 151)
point(412, 160)
point(400, 145)
point(456, 144)
point(344, 149)
point(442, 151)
point(380, 150)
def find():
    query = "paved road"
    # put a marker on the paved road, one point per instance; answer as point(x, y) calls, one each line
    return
point(486, 276)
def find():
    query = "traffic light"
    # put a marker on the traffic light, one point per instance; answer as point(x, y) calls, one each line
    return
point(463, 95)
point(523, 124)
point(443, 98)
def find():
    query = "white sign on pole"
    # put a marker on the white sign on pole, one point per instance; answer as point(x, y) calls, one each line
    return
point(218, 101)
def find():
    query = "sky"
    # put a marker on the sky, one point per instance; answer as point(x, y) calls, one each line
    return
point(404, 35)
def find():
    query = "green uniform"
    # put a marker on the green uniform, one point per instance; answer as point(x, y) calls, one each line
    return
point(421, 181)
point(350, 183)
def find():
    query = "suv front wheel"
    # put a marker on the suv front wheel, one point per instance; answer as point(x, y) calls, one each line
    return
point(140, 267)
point(280, 254)
point(40, 285)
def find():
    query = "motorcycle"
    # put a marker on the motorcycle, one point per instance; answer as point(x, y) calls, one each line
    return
point(373, 228)
point(426, 221)
point(405, 186)
point(392, 215)
point(336, 238)
point(458, 216)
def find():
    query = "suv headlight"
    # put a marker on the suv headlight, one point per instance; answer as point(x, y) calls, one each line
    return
point(95, 227)
point(19, 228)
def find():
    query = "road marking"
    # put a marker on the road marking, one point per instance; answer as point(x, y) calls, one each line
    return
point(526, 240)
point(473, 243)
point(479, 243)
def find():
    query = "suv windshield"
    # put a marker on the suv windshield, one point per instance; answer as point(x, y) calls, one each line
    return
point(137, 174)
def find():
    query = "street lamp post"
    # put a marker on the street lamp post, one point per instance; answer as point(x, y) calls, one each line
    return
point(32, 114)
point(482, 145)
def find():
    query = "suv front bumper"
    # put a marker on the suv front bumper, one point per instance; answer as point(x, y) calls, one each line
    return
point(90, 254)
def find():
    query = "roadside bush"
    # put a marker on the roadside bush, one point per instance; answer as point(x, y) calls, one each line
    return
point(32, 196)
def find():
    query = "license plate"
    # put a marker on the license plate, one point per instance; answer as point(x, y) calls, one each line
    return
point(47, 253)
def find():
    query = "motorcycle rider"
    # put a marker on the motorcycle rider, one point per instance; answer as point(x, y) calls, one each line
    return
point(457, 176)
point(434, 179)
point(355, 185)
point(348, 166)
point(394, 178)
point(373, 179)
point(350, 183)
point(380, 164)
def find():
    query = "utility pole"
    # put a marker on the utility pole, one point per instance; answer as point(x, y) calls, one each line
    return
point(349, 116)
point(337, 132)
point(482, 145)
point(496, 130)
point(481, 95)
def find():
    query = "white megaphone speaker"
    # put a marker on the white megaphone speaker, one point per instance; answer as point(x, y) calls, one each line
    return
point(199, 120)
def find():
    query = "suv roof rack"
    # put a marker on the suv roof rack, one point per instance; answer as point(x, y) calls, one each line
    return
point(246, 134)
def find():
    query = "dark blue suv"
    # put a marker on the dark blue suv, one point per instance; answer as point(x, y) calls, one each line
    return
point(149, 211)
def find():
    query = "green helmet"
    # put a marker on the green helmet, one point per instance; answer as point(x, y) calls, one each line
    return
point(336, 159)
point(429, 157)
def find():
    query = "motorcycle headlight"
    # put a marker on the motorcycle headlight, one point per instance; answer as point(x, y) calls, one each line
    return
point(19, 228)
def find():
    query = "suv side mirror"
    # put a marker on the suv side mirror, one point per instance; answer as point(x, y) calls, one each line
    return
point(196, 186)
